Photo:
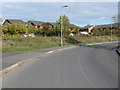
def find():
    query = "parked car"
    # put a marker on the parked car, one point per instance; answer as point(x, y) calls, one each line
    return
point(118, 50)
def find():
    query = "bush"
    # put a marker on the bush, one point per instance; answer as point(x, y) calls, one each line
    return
point(107, 32)
point(66, 32)
point(100, 32)
point(39, 32)
point(13, 29)
point(51, 33)
point(96, 32)
point(31, 29)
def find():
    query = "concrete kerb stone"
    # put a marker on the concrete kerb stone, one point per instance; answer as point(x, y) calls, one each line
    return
point(60, 49)
point(6, 70)
point(102, 43)
point(12, 67)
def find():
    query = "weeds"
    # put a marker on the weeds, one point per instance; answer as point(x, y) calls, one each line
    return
point(14, 44)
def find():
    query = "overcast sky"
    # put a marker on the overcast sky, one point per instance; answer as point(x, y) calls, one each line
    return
point(79, 13)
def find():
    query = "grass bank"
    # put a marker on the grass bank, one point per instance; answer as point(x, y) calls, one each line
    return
point(10, 44)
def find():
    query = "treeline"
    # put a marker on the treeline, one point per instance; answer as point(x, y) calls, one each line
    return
point(106, 31)
point(18, 30)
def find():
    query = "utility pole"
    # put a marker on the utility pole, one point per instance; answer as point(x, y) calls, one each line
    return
point(111, 29)
point(61, 27)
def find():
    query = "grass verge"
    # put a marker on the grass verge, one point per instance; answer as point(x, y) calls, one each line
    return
point(10, 44)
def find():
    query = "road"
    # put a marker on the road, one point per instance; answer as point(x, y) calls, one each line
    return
point(93, 66)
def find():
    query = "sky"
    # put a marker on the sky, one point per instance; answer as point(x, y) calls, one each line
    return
point(79, 13)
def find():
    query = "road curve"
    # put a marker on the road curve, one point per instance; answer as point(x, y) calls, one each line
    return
point(80, 67)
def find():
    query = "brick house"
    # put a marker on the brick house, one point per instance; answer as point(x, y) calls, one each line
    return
point(39, 24)
point(72, 26)
point(87, 29)
point(36, 24)
point(48, 25)
point(14, 21)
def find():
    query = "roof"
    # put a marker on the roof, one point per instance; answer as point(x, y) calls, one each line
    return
point(72, 25)
point(106, 26)
point(103, 26)
point(53, 23)
point(47, 24)
point(16, 21)
point(36, 23)
point(86, 27)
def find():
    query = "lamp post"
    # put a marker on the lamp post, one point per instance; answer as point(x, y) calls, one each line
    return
point(111, 29)
point(61, 27)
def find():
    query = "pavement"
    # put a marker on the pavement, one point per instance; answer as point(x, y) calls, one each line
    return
point(91, 66)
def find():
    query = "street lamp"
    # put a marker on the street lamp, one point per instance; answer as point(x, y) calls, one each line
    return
point(61, 26)
point(111, 29)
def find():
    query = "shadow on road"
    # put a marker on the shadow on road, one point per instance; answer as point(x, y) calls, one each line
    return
point(73, 41)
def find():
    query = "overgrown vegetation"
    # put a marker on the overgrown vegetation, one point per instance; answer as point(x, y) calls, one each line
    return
point(11, 44)
point(12, 29)
point(100, 32)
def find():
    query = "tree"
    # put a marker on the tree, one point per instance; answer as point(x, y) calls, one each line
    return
point(13, 29)
point(88, 25)
point(65, 22)
point(75, 30)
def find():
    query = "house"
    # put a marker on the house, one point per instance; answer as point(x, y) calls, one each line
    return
point(73, 28)
point(53, 24)
point(48, 25)
point(40, 24)
point(14, 21)
point(86, 30)
point(36, 24)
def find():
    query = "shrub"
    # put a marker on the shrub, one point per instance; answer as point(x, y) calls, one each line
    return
point(31, 29)
point(100, 32)
point(107, 32)
point(12, 29)
point(51, 33)
point(66, 32)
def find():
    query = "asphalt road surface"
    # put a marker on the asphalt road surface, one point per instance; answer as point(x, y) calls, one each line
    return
point(93, 66)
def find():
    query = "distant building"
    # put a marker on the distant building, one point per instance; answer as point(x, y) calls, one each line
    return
point(14, 21)
point(48, 25)
point(39, 24)
point(36, 24)
point(103, 27)
point(86, 29)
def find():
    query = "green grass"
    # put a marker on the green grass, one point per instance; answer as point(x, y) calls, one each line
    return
point(10, 44)
point(94, 39)
point(28, 44)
